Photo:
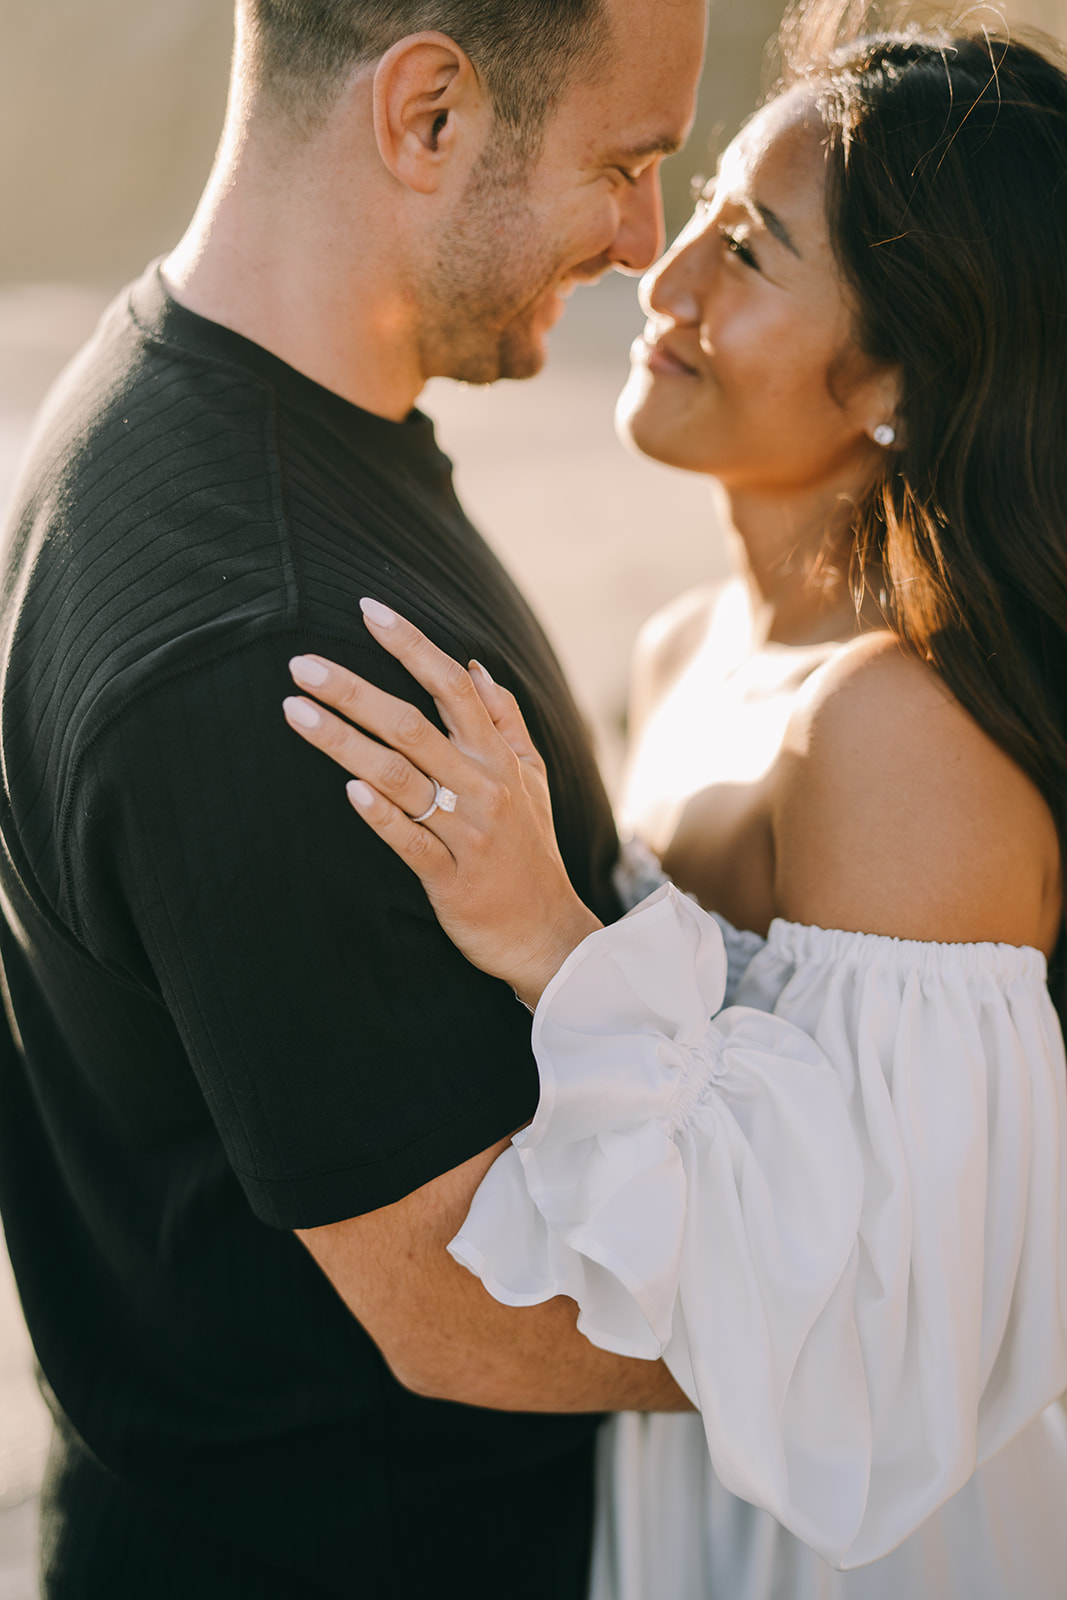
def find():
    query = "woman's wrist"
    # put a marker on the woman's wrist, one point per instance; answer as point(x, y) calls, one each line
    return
point(537, 973)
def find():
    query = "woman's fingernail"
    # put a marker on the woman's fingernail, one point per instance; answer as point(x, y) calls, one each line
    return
point(306, 671)
point(302, 712)
point(476, 666)
point(374, 611)
point(360, 793)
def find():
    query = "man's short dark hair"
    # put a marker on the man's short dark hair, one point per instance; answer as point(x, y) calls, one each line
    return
point(525, 51)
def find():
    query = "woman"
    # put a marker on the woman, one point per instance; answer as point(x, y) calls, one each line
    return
point(839, 1210)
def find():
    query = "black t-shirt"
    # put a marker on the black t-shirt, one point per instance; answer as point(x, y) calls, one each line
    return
point(235, 1010)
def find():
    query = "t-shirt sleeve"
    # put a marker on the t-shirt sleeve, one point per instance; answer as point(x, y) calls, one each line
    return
point(840, 1224)
point(347, 1053)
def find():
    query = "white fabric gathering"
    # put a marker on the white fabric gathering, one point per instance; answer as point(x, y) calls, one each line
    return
point(838, 1211)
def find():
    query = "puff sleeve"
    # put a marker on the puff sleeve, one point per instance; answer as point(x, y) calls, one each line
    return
point(838, 1212)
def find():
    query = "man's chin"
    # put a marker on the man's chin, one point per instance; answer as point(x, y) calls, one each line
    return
point(519, 350)
point(523, 350)
point(526, 363)
point(483, 370)
point(514, 358)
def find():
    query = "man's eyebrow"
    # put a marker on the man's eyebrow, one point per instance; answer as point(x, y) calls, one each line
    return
point(666, 145)
point(774, 224)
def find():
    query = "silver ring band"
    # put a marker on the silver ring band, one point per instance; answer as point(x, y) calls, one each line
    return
point(443, 800)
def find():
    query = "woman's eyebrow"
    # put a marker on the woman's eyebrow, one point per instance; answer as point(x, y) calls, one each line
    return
point(774, 224)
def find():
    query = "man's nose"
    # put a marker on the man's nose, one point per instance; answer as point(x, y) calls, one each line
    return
point(641, 235)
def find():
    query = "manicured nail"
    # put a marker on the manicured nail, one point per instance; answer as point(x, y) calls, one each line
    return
point(302, 712)
point(374, 611)
point(360, 793)
point(310, 673)
point(476, 666)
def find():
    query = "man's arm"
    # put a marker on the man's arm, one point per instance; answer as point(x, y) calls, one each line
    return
point(444, 1336)
point(345, 1049)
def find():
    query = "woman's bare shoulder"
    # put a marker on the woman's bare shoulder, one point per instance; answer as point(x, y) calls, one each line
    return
point(666, 645)
point(896, 813)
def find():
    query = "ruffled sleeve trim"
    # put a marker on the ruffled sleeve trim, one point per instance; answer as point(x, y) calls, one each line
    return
point(838, 1212)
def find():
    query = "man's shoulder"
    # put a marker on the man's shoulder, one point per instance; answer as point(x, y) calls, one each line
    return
point(180, 480)
point(148, 506)
point(151, 537)
point(135, 539)
point(147, 469)
point(132, 384)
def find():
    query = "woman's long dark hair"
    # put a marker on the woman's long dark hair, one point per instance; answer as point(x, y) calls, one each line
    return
point(947, 206)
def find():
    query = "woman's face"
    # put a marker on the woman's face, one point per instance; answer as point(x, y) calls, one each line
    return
point(748, 369)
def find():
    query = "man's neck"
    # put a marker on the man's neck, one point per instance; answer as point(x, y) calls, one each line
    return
point(278, 263)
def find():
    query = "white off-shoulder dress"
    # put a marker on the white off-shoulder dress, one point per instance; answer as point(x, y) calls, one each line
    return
point(838, 1211)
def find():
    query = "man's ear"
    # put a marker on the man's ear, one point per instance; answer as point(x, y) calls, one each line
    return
point(426, 98)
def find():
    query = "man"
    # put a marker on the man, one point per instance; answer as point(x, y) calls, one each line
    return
point(237, 1020)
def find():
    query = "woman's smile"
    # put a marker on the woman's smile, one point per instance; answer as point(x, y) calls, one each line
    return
point(653, 351)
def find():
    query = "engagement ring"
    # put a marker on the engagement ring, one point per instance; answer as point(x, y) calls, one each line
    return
point(443, 800)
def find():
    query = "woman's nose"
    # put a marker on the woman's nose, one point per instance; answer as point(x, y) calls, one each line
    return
point(675, 285)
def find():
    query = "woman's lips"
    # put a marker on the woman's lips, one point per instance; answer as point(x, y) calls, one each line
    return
point(659, 358)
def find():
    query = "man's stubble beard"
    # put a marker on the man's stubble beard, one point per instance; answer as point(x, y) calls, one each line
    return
point(491, 269)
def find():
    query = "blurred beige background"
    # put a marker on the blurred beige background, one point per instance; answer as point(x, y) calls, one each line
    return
point(108, 118)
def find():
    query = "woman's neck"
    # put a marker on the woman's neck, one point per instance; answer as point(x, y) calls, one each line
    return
point(794, 560)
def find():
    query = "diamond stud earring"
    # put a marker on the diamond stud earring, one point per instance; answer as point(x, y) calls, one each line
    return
point(884, 435)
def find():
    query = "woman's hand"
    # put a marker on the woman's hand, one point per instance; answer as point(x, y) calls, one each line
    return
point(469, 813)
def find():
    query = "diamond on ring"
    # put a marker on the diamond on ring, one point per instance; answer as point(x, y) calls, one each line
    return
point(443, 800)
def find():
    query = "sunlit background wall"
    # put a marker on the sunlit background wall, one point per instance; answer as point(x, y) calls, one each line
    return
point(109, 112)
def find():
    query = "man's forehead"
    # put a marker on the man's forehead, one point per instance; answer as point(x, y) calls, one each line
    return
point(657, 47)
point(628, 112)
point(642, 100)
point(651, 17)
